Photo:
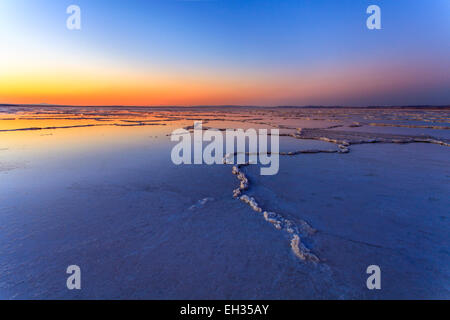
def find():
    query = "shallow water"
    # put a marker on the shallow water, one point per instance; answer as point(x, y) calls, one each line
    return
point(97, 188)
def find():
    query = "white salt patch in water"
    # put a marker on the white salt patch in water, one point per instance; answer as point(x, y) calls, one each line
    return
point(201, 203)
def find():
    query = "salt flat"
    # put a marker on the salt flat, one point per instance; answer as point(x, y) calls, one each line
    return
point(96, 187)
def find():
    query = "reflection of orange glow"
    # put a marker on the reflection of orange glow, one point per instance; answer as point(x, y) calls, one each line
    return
point(79, 139)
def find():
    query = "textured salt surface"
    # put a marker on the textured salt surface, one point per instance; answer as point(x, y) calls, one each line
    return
point(277, 220)
point(343, 139)
point(110, 200)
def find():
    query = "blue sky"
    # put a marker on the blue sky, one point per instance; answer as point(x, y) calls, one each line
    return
point(229, 42)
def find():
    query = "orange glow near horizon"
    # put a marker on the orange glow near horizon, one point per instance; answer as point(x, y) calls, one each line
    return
point(103, 87)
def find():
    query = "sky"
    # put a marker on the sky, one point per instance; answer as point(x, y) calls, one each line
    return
point(225, 52)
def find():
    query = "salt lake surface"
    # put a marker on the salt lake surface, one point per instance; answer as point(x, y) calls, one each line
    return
point(96, 187)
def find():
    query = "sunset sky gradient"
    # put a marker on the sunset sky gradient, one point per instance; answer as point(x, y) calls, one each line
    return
point(239, 52)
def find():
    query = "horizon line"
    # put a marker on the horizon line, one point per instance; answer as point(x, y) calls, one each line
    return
point(440, 106)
